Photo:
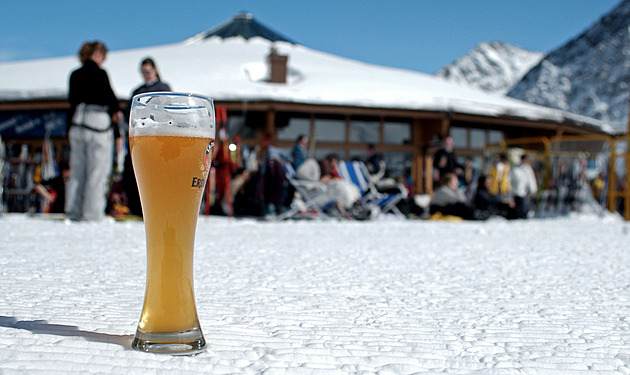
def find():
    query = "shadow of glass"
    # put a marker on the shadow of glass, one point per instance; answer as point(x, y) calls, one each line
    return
point(43, 327)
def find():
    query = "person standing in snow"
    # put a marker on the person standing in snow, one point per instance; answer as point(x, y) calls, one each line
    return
point(445, 161)
point(94, 109)
point(152, 83)
point(499, 178)
point(524, 186)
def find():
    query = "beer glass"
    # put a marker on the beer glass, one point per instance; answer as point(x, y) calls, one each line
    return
point(171, 137)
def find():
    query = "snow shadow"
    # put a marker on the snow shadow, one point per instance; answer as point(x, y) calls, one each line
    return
point(43, 327)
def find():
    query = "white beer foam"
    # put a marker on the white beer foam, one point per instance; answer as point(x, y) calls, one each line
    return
point(148, 127)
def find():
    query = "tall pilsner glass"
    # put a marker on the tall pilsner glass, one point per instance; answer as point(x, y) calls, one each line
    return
point(171, 136)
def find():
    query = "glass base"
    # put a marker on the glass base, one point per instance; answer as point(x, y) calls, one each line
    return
point(175, 343)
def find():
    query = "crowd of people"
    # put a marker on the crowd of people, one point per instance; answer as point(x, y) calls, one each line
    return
point(507, 190)
point(261, 187)
point(89, 190)
point(257, 186)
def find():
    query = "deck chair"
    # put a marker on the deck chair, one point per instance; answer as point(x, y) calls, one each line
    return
point(313, 194)
point(357, 173)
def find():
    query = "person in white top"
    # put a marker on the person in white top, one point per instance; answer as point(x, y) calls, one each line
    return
point(524, 186)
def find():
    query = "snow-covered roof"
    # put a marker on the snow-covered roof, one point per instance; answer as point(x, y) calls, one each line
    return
point(235, 69)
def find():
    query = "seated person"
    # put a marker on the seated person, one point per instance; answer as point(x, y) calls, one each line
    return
point(492, 204)
point(343, 192)
point(449, 200)
point(53, 191)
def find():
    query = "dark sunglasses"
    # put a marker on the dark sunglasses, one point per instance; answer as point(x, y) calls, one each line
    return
point(144, 71)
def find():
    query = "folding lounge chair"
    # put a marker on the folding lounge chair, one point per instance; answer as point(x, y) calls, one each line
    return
point(357, 173)
point(314, 195)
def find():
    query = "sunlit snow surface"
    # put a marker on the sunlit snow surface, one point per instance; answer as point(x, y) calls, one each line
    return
point(387, 296)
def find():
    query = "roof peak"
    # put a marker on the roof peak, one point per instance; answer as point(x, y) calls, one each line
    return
point(243, 16)
point(244, 25)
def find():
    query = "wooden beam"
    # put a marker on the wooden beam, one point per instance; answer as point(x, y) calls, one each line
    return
point(530, 124)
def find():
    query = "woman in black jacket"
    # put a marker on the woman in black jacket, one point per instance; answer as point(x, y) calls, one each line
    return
point(152, 83)
point(93, 109)
point(487, 204)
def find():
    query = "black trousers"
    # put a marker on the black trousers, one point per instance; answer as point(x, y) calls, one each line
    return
point(521, 206)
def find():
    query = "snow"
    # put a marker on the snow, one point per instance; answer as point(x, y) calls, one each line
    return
point(492, 67)
point(589, 74)
point(542, 296)
point(232, 70)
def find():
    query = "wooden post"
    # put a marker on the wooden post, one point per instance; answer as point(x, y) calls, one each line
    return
point(428, 177)
point(547, 144)
point(417, 171)
point(611, 190)
point(446, 126)
point(270, 124)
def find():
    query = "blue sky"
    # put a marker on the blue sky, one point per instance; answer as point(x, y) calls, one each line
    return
point(421, 35)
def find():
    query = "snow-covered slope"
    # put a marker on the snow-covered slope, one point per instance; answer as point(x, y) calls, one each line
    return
point(589, 75)
point(328, 297)
point(492, 67)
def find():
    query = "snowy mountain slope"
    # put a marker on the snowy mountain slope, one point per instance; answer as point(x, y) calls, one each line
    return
point(493, 67)
point(589, 75)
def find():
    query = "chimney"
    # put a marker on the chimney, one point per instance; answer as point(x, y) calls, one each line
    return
point(277, 67)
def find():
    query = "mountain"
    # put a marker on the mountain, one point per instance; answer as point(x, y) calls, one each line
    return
point(589, 75)
point(492, 67)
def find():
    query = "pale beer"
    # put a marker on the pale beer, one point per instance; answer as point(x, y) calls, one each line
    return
point(171, 162)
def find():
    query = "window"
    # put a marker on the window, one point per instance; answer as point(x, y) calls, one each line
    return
point(398, 164)
point(364, 130)
point(460, 137)
point(477, 138)
point(495, 136)
point(397, 133)
point(296, 125)
point(244, 124)
point(473, 138)
point(236, 125)
point(330, 129)
point(358, 155)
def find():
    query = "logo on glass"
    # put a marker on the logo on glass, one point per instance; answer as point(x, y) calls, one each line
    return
point(198, 182)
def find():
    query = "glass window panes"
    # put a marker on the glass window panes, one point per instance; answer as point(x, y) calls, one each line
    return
point(237, 126)
point(397, 133)
point(330, 129)
point(495, 136)
point(364, 130)
point(358, 155)
point(244, 124)
point(477, 138)
point(296, 127)
point(397, 163)
point(460, 137)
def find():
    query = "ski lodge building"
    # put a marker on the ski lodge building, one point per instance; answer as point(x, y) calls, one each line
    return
point(273, 87)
